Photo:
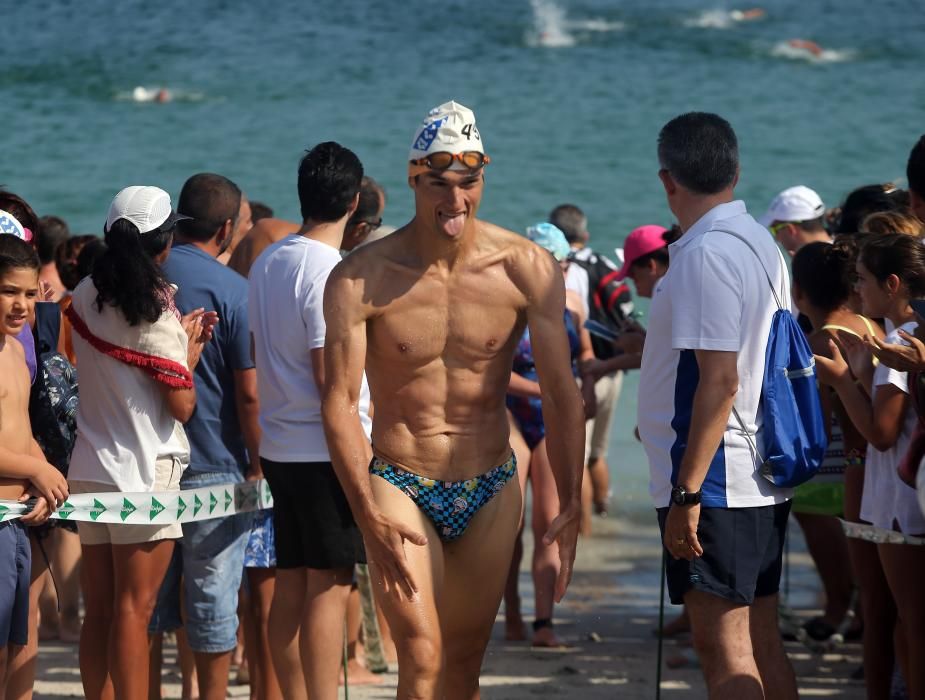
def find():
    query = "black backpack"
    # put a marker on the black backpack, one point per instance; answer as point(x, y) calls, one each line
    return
point(53, 398)
point(610, 302)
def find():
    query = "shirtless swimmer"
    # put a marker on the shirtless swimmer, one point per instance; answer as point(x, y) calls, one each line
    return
point(434, 312)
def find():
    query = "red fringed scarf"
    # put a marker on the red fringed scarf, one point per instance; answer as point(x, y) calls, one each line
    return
point(161, 369)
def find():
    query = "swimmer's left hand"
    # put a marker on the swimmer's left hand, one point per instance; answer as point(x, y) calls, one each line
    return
point(564, 531)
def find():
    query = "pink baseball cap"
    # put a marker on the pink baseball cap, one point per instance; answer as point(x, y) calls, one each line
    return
point(641, 241)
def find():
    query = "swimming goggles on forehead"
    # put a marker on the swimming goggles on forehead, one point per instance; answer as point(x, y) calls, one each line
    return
point(443, 160)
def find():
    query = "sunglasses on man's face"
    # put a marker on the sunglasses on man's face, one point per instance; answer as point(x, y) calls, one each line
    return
point(775, 228)
point(442, 160)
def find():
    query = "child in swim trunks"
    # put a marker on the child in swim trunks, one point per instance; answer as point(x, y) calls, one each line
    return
point(24, 472)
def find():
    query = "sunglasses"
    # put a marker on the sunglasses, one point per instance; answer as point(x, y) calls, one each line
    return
point(443, 160)
point(774, 228)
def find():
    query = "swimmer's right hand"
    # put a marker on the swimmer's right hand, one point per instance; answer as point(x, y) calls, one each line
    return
point(384, 539)
point(50, 484)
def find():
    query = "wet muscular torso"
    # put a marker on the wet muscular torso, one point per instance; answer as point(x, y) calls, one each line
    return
point(15, 432)
point(440, 342)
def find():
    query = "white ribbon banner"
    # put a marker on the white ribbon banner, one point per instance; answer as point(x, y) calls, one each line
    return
point(157, 508)
point(877, 535)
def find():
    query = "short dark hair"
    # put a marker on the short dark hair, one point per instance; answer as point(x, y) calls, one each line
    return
point(259, 211)
point(329, 179)
point(816, 225)
point(915, 167)
point(210, 200)
point(825, 272)
point(371, 194)
point(700, 151)
point(16, 254)
point(66, 259)
point(866, 200)
point(52, 232)
point(20, 209)
point(571, 220)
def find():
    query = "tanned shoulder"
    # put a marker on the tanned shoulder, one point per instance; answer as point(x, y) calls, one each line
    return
point(533, 270)
point(360, 276)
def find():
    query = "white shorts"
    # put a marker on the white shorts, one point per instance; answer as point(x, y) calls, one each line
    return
point(167, 473)
point(597, 430)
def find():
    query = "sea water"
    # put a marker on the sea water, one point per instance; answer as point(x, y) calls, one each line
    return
point(569, 97)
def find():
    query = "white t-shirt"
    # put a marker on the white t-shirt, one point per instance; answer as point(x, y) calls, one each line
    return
point(286, 315)
point(715, 296)
point(886, 497)
point(123, 423)
point(576, 279)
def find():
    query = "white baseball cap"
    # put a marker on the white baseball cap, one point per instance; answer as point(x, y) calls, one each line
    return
point(145, 206)
point(448, 128)
point(794, 204)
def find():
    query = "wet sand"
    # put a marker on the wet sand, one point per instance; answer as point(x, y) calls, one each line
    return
point(606, 620)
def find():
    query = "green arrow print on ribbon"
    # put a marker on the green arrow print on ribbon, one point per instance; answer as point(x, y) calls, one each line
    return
point(127, 509)
point(165, 507)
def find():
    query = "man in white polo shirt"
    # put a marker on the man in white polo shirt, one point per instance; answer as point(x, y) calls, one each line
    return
point(796, 217)
point(723, 525)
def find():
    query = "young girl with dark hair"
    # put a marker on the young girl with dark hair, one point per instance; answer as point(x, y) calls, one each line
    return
point(890, 272)
point(135, 355)
point(823, 288)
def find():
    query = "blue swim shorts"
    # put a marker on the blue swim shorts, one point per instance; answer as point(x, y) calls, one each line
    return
point(15, 570)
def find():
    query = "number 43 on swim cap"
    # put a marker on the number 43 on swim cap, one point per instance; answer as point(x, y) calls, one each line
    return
point(449, 128)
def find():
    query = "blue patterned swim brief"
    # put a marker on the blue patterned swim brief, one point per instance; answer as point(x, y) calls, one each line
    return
point(449, 504)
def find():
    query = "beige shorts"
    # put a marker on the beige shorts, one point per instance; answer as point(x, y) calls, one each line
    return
point(597, 430)
point(167, 472)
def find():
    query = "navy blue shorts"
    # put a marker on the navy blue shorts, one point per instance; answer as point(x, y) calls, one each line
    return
point(742, 554)
point(15, 571)
point(312, 518)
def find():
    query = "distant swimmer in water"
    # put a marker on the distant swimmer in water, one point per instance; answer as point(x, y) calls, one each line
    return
point(746, 15)
point(143, 94)
point(806, 45)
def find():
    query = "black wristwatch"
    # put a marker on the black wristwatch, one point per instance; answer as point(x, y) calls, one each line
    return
point(682, 497)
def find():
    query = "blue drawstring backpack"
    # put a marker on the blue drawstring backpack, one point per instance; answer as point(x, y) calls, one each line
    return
point(793, 430)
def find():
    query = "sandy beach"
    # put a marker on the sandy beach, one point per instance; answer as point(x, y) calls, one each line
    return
point(606, 621)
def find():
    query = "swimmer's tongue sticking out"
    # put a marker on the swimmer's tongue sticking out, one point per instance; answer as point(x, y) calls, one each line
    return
point(453, 225)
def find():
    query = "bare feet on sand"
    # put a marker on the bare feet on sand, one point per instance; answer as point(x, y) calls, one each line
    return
point(544, 637)
point(514, 628)
point(358, 674)
point(64, 630)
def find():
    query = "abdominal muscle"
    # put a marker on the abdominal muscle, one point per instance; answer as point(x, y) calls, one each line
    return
point(449, 425)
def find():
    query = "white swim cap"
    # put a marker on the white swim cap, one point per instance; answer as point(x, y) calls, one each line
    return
point(449, 128)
